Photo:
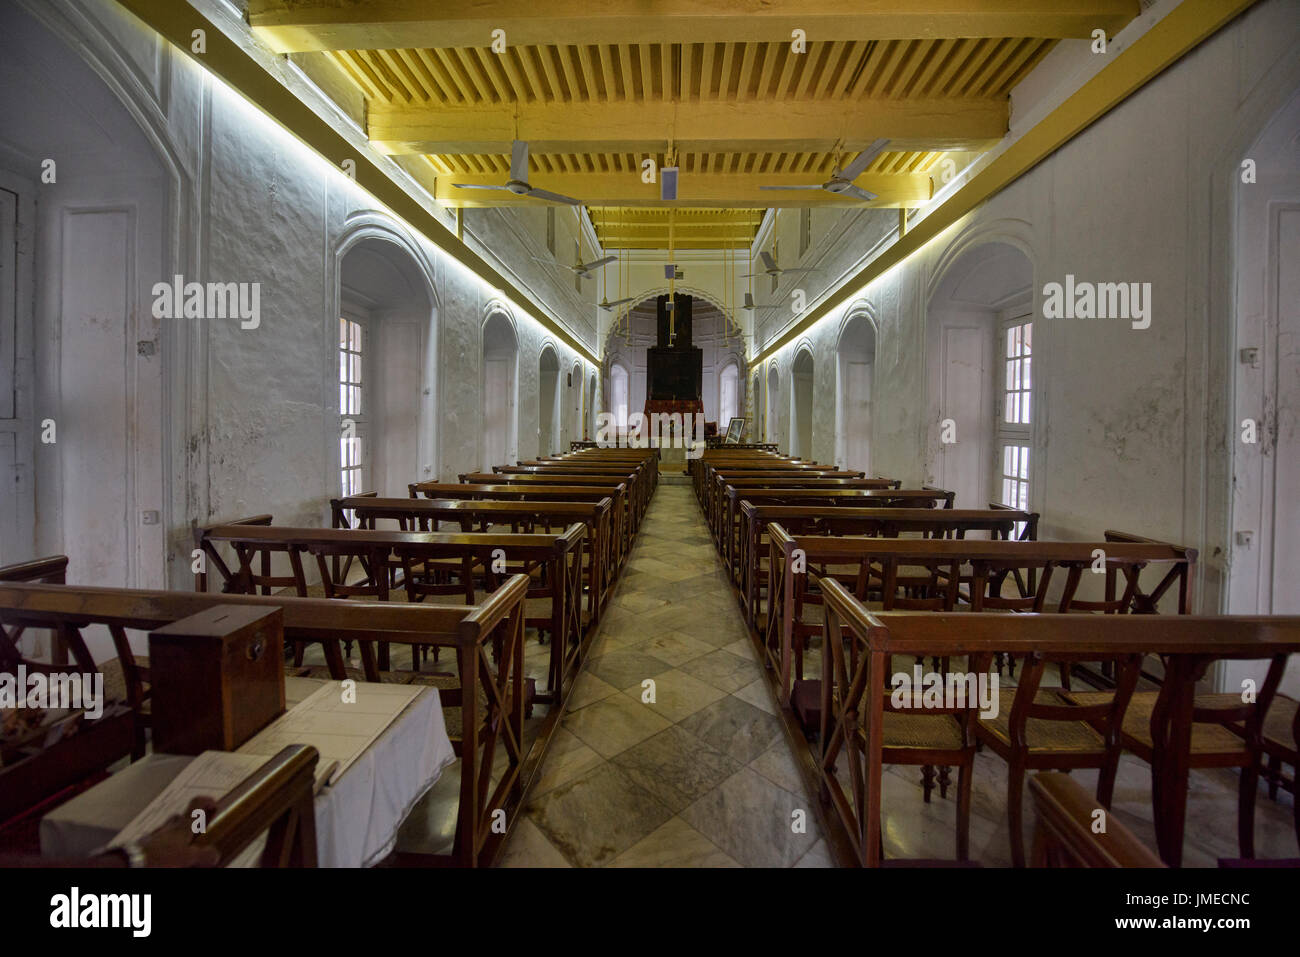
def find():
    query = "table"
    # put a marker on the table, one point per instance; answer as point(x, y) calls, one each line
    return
point(357, 817)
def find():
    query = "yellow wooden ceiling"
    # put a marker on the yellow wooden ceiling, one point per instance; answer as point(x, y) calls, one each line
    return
point(714, 85)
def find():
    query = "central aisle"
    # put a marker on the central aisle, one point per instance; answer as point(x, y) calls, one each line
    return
point(700, 777)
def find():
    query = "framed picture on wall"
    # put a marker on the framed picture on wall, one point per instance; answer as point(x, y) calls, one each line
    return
point(734, 429)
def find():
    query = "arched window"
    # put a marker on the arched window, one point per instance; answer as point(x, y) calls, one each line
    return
point(728, 400)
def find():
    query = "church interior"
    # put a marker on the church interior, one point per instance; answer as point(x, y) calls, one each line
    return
point(650, 434)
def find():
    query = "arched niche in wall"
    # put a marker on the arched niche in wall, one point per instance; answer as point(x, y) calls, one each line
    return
point(573, 388)
point(729, 398)
point(593, 402)
point(983, 293)
point(771, 415)
point(548, 402)
point(81, 341)
point(499, 436)
point(855, 373)
point(755, 424)
point(801, 404)
point(619, 394)
point(386, 330)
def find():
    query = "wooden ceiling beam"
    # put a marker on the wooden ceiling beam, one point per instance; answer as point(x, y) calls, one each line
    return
point(317, 25)
point(679, 245)
point(707, 190)
point(746, 126)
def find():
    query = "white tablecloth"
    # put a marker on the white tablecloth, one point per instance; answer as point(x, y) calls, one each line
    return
point(356, 818)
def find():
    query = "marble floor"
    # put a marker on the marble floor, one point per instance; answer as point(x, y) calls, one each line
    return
point(671, 754)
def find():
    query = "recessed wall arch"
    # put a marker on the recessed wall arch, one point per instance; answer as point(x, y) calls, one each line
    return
point(498, 387)
point(771, 414)
point(549, 394)
point(379, 273)
point(982, 283)
point(802, 388)
point(855, 360)
point(163, 398)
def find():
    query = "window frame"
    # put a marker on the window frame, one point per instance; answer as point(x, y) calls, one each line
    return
point(1013, 441)
point(353, 472)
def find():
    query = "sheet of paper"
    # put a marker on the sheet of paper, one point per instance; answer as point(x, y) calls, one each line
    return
point(212, 774)
point(339, 729)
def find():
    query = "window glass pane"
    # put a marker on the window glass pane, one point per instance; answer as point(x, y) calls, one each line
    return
point(1028, 328)
point(1024, 375)
point(1024, 408)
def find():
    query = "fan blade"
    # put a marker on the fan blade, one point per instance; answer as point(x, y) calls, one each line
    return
point(550, 197)
point(751, 275)
point(475, 186)
point(862, 160)
point(585, 267)
point(768, 261)
point(519, 161)
point(857, 193)
point(790, 187)
point(616, 302)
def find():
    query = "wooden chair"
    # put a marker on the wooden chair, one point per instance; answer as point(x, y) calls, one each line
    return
point(1041, 730)
point(937, 736)
point(1226, 732)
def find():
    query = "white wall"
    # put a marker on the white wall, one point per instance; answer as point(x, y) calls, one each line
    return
point(1132, 425)
point(238, 421)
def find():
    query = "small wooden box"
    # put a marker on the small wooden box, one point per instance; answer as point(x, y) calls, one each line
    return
point(217, 678)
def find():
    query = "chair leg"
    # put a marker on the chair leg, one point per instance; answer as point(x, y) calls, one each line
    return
point(964, 776)
point(927, 780)
point(945, 778)
point(1246, 808)
point(1106, 781)
point(1015, 811)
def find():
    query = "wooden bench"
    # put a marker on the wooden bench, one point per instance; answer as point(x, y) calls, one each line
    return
point(638, 482)
point(478, 492)
point(557, 557)
point(888, 497)
point(529, 517)
point(1064, 834)
point(873, 565)
point(998, 522)
point(853, 715)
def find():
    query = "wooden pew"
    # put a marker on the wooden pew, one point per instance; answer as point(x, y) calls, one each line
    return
point(1064, 835)
point(598, 486)
point(558, 556)
point(717, 481)
point(874, 563)
point(422, 515)
point(487, 702)
point(637, 481)
point(729, 535)
point(853, 717)
point(1000, 523)
point(619, 535)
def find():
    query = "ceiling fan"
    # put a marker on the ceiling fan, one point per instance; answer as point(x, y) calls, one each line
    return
point(607, 305)
point(770, 269)
point(581, 269)
point(518, 182)
point(841, 181)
